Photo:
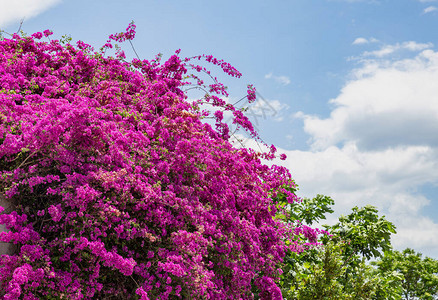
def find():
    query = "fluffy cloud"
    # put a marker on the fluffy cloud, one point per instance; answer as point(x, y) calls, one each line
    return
point(283, 80)
point(429, 9)
point(14, 11)
point(386, 50)
point(361, 41)
point(385, 104)
point(379, 145)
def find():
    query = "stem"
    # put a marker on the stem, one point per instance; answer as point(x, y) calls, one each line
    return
point(21, 23)
point(135, 281)
point(134, 49)
point(239, 100)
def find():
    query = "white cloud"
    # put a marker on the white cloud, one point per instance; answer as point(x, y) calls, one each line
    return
point(414, 46)
point(14, 11)
point(361, 41)
point(386, 50)
point(283, 80)
point(386, 103)
point(429, 9)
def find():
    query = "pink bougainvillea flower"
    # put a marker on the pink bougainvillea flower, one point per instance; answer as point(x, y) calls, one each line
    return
point(118, 186)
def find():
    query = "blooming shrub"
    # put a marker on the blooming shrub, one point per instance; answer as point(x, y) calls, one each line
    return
point(120, 190)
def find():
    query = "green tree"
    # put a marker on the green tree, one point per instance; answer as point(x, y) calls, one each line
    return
point(419, 276)
point(311, 210)
point(367, 233)
point(337, 268)
point(319, 278)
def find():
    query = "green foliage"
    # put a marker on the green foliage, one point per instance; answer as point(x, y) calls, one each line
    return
point(328, 276)
point(387, 286)
point(65, 39)
point(315, 276)
point(418, 277)
point(337, 268)
point(367, 233)
point(311, 210)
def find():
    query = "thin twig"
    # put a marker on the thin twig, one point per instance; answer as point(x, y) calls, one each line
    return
point(27, 159)
point(239, 100)
point(261, 150)
point(237, 139)
point(134, 50)
point(135, 281)
point(21, 23)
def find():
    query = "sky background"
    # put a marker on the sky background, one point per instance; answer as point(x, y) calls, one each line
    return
point(347, 89)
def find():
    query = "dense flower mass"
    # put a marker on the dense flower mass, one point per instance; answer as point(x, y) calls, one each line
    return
point(119, 189)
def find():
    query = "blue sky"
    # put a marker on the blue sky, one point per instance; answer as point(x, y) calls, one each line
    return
point(347, 89)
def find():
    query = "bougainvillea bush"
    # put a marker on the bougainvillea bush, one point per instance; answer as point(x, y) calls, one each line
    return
point(120, 190)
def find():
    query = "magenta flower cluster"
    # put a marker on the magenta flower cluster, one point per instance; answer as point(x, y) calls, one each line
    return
point(118, 189)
